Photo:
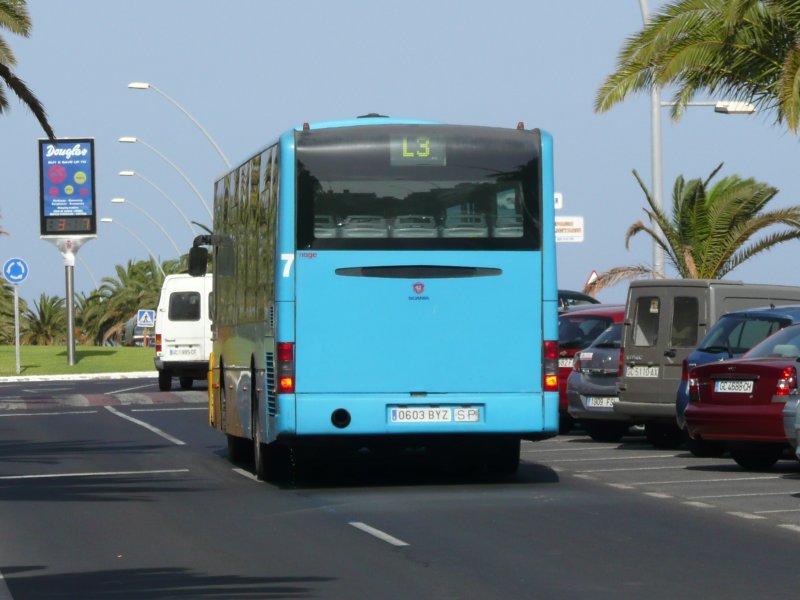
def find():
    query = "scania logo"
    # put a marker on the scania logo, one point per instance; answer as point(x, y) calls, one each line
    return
point(418, 287)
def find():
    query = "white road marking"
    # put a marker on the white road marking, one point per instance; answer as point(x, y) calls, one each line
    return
point(47, 388)
point(770, 512)
point(168, 409)
point(795, 528)
point(90, 474)
point(584, 476)
point(744, 515)
point(381, 535)
point(643, 457)
point(620, 486)
point(744, 495)
point(50, 414)
point(720, 480)
point(631, 469)
point(699, 504)
point(147, 426)
point(568, 449)
point(138, 387)
point(244, 473)
point(657, 495)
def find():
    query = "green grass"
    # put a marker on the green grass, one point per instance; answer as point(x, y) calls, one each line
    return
point(52, 360)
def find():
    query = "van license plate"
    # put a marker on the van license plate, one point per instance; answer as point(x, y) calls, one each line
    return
point(734, 387)
point(565, 363)
point(641, 371)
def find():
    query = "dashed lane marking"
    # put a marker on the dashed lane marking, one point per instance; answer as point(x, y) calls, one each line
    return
point(147, 426)
point(381, 535)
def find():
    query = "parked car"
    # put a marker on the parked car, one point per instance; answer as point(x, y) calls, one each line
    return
point(592, 387)
point(364, 226)
point(664, 321)
point(465, 226)
point(414, 226)
point(730, 337)
point(577, 329)
point(324, 226)
point(508, 226)
point(791, 424)
point(740, 402)
point(569, 298)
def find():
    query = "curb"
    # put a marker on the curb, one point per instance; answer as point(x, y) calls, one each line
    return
point(80, 377)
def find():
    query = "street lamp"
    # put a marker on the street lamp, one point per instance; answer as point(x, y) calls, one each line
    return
point(140, 240)
point(133, 140)
point(163, 193)
point(138, 85)
point(149, 216)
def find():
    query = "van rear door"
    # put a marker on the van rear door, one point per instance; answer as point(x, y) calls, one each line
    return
point(662, 329)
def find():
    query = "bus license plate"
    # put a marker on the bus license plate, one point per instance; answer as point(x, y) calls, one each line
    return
point(431, 414)
point(641, 371)
point(734, 387)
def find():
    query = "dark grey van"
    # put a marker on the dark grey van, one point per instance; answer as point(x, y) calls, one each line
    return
point(664, 321)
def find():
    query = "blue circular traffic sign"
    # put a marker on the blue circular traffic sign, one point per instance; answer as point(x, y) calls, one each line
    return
point(15, 270)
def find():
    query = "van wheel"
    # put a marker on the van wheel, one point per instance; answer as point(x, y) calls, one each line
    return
point(186, 382)
point(664, 436)
point(606, 431)
point(164, 381)
point(756, 457)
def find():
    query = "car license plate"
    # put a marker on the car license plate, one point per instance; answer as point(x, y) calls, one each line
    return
point(435, 414)
point(640, 371)
point(733, 387)
point(601, 401)
point(565, 363)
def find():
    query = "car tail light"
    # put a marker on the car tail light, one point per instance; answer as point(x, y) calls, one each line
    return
point(576, 362)
point(158, 342)
point(693, 383)
point(286, 368)
point(787, 384)
point(685, 370)
point(550, 366)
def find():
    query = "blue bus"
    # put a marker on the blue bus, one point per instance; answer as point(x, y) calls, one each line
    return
point(385, 284)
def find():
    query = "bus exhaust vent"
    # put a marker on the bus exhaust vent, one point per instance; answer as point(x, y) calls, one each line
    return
point(272, 406)
point(271, 317)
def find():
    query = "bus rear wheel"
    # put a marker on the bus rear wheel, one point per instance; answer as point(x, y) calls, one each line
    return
point(503, 459)
point(272, 462)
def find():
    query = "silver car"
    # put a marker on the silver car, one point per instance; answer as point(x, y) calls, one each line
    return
point(465, 226)
point(508, 226)
point(592, 387)
point(791, 425)
point(364, 226)
point(414, 226)
point(324, 226)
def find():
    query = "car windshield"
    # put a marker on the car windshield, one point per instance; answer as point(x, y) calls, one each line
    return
point(783, 344)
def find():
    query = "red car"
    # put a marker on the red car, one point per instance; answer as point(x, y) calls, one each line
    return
point(740, 402)
point(577, 328)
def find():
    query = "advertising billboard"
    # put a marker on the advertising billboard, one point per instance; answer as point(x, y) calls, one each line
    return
point(66, 187)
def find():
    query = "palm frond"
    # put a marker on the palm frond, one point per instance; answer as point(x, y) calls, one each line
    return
point(28, 98)
point(617, 275)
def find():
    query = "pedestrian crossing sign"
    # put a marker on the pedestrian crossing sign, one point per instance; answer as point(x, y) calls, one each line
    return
point(146, 318)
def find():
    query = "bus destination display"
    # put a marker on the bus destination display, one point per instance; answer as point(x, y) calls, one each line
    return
point(67, 191)
point(416, 151)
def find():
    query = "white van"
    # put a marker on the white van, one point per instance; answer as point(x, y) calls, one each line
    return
point(183, 330)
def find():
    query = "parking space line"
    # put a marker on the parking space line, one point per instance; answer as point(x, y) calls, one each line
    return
point(91, 474)
point(754, 494)
point(720, 480)
point(772, 512)
point(147, 426)
point(620, 486)
point(790, 527)
point(631, 469)
point(657, 495)
point(593, 448)
point(381, 535)
point(699, 504)
point(643, 457)
point(744, 515)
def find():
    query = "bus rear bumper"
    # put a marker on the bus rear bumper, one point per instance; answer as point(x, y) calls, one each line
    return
point(529, 416)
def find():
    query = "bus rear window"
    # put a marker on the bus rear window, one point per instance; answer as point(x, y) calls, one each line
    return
point(431, 187)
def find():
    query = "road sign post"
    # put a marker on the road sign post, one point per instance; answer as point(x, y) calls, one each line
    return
point(15, 270)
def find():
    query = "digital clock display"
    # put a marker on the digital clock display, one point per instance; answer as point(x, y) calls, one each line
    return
point(417, 150)
point(68, 225)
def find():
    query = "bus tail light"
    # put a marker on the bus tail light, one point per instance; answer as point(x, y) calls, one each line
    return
point(158, 342)
point(285, 368)
point(550, 366)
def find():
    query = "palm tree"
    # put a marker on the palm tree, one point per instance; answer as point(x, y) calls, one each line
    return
point(712, 229)
point(14, 17)
point(47, 322)
point(745, 50)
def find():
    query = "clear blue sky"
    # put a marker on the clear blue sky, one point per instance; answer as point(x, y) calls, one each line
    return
point(250, 69)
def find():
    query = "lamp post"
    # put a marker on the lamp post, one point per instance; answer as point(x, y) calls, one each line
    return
point(138, 85)
point(133, 140)
point(163, 193)
point(149, 216)
point(140, 240)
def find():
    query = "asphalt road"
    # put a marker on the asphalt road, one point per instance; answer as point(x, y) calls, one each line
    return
point(129, 495)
